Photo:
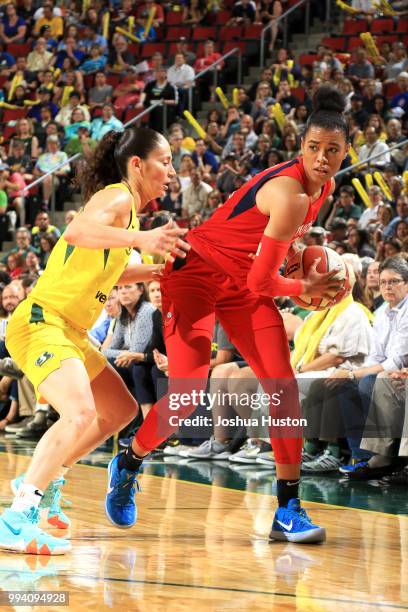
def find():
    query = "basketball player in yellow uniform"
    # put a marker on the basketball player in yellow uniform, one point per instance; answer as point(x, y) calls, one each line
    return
point(47, 334)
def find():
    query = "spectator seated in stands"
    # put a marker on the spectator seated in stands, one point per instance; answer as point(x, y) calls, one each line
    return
point(344, 206)
point(13, 28)
point(95, 61)
point(373, 146)
point(120, 58)
point(23, 244)
point(140, 30)
point(48, 162)
point(42, 227)
point(65, 114)
point(160, 89)
point(130, 339)
point(39, 58)
point(129, 92)
point(204, 159)
point(195, 196)
point(353, 392)
point(104, 124)
point(48, 18)
point(101, 93)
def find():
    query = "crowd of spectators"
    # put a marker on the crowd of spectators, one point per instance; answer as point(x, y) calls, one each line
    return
point(81, 85)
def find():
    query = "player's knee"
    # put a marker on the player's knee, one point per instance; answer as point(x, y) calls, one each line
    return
point(83, 417)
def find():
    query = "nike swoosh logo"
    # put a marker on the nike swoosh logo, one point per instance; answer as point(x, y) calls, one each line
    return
point(110, 489)
point(287, 527)
point(12, 529)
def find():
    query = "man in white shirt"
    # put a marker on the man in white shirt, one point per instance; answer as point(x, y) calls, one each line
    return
point(370, 214)
point(181, 75)
point(195, 196)
point(374, 146)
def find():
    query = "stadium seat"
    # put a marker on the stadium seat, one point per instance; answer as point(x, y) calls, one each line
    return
point(130, 113)
point(203, 33)
point(354, 42)
point(222, 17)
point(19, 49)
point(8, 131)
point(307, 58)
point(352, 26)
point(382, 25)
point(176, 32)
point(89, 80)
point(113, 79)
point(231, 44)
point(391, 90)
point(174, 18)
point(134, 48)
point(149, 48)
point(299, 92)
point(389, 38)
point(402, 26)
point(336, 43)
point(12, 114)
point(253, 31)
point(230, 33)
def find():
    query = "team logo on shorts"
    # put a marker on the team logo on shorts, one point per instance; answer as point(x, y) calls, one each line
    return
point(43, 358)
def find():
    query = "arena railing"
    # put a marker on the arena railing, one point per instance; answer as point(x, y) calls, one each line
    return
point(215, 73)
point(370, 158)
point(284, 18)
point(52, 172)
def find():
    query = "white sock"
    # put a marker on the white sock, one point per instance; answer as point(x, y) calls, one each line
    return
point(378, 461)
point(27, 496)
point(62, 472)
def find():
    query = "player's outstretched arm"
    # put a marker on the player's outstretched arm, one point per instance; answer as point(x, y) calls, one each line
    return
point(101, 225)
point(140, 273)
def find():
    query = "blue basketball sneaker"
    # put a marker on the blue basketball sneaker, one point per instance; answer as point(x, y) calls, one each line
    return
point(120, 504)
point(50, 502)
point(19, 532)
point(292, 524)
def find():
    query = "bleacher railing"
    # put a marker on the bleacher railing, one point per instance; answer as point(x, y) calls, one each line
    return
point(215, 72)
point(78, 155)
point(398, 145)
point(284, 20)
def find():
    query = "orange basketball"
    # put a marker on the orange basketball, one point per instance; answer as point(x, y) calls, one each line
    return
point(299, 265)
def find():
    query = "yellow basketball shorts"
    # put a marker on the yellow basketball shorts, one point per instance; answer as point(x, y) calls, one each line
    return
point(38, 340)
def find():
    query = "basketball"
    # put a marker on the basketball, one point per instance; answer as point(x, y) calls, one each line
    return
point(299, 265)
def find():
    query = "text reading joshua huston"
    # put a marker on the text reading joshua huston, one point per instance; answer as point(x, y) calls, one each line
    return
point(254, 402)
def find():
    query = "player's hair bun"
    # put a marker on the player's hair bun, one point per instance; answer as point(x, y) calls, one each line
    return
point(327, 98)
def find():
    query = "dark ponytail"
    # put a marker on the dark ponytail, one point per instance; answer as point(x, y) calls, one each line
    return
point(328, 111)
point(108, 163)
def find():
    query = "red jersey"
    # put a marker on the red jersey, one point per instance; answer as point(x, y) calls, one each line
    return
point(235, 230)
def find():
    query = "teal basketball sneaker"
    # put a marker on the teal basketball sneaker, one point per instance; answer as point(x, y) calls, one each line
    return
point(292, 524)
point(19, 532)
point(120, 504)
point(51, 502)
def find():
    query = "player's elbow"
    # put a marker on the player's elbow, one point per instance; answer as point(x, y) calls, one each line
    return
point(72, 234)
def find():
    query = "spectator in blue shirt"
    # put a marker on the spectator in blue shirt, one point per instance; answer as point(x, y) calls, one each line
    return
point(70, 50)
point(203, 158)
point(102, 125)
point(401, 99)
point(91, 37)
point(6, 61)
point(96, 61)
point(44, 95)
point(13, 28)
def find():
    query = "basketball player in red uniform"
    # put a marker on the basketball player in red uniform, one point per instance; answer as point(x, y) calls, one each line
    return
point(220, 277)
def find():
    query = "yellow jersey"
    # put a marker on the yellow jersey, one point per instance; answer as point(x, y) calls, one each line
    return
point(77, 280)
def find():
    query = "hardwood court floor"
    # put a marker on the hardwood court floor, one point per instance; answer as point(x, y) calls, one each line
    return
point(205, 548)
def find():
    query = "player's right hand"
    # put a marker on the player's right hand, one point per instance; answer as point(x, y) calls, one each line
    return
point(163, 240)
point(318, 284)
